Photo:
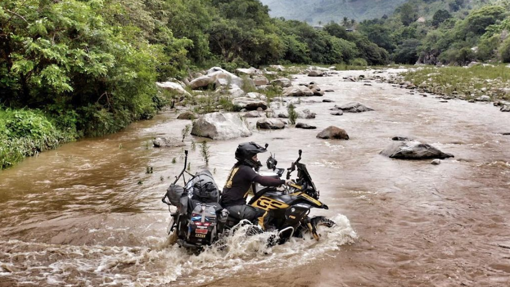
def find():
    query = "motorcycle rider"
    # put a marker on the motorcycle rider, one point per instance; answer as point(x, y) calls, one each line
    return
point(240, 183)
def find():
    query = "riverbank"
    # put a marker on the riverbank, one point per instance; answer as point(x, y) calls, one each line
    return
point(480, 82)
point(25, 133)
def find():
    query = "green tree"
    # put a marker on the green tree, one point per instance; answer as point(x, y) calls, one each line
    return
point(504, 51)
point(440, 16)
point(408, 14)
point(407, 52)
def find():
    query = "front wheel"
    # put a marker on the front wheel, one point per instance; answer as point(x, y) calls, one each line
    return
point(311, 224)
point(322, 221)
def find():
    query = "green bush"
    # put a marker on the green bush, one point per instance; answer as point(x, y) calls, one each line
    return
point(504, 51)
point(359, 62)
point(292, 114)
point(26, 133)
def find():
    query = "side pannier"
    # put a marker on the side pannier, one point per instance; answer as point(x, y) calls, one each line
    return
point(174, 194)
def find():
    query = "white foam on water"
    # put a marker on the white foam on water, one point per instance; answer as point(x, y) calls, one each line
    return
point(160, 263)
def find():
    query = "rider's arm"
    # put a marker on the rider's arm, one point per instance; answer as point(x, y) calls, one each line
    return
point(268, 181)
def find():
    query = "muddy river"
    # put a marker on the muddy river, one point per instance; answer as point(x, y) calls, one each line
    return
point(89, 214)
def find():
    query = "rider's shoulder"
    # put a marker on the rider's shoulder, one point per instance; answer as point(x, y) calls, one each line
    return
point(247, 168)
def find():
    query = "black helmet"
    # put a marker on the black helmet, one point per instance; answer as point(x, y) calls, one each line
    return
point(246, 151)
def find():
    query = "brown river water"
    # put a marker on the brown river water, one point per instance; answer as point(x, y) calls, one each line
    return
point(88, 214)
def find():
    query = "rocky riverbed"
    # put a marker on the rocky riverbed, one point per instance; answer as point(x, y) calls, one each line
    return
point(89, 213)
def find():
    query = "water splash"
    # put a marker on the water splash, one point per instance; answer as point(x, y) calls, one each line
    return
point(161, 263)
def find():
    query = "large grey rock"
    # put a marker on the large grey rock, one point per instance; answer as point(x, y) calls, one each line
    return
point(413, 150)
point(301, 114)
point(187, 115)
point(277, 67)
point(260, 81)
point(282, 82)
point(167, 142)
point(225, 78)
point(270, 124)
point(252, 114)
point(220, 126)
point(249, 71)
point(255, 95)
point(299, 91)
point(353, 107)
point(216, 76)
point(235, 91)
point(505, 108)
point(176, 87)
point(401, 138)
point(249, 104)
point(315, 73)
point(201, 82)
point(483, 98)
point(333, 132)
point(316, 90)
point(305, 126)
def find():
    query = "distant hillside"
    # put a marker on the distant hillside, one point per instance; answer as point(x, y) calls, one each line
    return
point(313, 11)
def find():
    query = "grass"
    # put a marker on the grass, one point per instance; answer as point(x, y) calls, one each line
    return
point(462, 82)
point(213, 102)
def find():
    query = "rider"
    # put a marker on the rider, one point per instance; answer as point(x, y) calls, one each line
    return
point(240, 183)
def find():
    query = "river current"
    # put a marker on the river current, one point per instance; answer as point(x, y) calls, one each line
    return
point(89, 214)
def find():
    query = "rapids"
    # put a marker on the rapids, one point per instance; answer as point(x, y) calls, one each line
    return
point(89, 214)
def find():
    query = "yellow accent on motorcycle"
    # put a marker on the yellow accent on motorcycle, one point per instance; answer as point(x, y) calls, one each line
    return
point(315, 235)
point(296, 186)
point(261, 221)
point(311, 199)
point(267, 203)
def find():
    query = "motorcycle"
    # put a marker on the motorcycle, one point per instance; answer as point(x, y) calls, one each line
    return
point(200, 220)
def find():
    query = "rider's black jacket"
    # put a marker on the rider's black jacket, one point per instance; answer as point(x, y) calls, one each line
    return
point(240, 183)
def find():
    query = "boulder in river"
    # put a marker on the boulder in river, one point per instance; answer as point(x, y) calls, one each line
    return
point(167, 142)
point(305, 126)
point(270, 124)
point(252, 114)
point(176, 87)
point(187, 115)
point(216, 76)
point(413, 150)
point(299, 91)
point(401, 139)
point(220, 126)
point(315, 73)
point(282, 82)
point(333, 132)
point(249, 104)
point(353, 107)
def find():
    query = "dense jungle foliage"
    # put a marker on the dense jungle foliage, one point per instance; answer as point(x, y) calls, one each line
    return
point(443, 32)
point(75, 68)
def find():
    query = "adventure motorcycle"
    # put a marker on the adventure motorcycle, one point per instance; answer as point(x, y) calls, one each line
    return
point(200, 220)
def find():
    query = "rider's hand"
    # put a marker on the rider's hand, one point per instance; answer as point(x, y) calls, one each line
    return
point(289, 182)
